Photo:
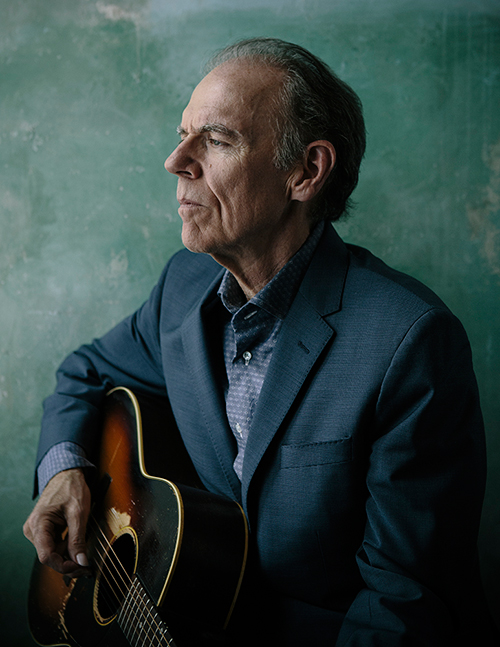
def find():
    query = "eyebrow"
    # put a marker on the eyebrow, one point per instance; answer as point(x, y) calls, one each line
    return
point(234, 135)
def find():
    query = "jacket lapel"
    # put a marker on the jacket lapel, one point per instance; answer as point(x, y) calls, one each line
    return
point(303, 336)
point(206, 365)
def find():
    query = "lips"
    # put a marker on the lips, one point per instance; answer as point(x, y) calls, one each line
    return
point(186, 202)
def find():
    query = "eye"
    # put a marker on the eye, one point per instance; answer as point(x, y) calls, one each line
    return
point(216, 142)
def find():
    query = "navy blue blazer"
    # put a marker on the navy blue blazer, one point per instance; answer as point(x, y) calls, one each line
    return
point(364, 469)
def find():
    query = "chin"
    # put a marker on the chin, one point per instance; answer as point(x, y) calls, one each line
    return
point(203, 241)
point(193, 240)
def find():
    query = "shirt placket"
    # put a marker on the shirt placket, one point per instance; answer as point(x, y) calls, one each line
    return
point(244, 379)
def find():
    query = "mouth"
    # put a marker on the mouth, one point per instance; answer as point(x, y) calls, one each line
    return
point(186, 202)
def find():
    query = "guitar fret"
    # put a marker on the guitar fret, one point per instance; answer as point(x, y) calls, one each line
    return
point(140, 622)
point(124, 617)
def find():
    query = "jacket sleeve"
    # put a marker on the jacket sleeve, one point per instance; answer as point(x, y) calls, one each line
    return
point(425, 488)
point(129, 355)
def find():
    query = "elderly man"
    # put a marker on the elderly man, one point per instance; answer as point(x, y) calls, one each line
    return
point(330, 395)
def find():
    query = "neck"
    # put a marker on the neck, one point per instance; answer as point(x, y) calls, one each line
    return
point(254, 268)
point(139, 620)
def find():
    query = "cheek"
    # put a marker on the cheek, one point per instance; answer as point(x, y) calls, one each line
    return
point(231, 196)
point(244, 196)
point(239, 209)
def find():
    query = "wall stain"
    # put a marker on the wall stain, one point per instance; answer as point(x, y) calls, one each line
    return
point(480, 215)
point(114, 13)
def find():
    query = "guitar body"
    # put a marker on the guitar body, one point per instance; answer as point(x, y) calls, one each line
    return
point(168, 559)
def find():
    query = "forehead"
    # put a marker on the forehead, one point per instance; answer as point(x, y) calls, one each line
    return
point(238, 94)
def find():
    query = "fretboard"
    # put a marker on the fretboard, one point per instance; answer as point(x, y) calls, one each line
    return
point(140, 622)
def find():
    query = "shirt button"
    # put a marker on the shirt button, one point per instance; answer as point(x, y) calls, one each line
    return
point(247, 356)
point(238, 429)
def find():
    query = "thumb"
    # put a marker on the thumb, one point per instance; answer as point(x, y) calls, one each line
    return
point(77, 523)
point(77, 548)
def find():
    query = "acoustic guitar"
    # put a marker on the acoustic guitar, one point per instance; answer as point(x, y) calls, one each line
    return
point(167, 556)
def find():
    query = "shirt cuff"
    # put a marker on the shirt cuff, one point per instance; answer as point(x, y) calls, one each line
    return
point(60, 457)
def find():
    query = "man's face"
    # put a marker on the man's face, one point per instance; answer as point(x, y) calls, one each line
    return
point(233, 200)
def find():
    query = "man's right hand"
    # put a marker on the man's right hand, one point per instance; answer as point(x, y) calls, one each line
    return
point(64, 503)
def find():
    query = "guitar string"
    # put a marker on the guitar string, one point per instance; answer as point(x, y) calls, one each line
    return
point(130, 589)
point(102, 556)
point(118, 565)
point(159, 636)
point(108, 550)
point(148, 615)
point(115, 560)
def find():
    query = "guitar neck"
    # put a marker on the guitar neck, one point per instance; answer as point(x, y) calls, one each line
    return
point(140, 621)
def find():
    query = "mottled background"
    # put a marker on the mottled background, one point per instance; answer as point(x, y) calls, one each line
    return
point(90, 95)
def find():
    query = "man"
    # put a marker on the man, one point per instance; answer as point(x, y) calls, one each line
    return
point(330, 395)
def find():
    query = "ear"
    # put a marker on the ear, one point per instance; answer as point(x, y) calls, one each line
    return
point(310, 174)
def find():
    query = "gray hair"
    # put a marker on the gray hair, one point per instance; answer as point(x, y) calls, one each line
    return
point(312, 104)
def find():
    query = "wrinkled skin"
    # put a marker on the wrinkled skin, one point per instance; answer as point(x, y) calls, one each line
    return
point(65, 502)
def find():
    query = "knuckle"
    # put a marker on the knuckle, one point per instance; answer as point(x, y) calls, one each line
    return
point(44, 558)
point(77, 542)
point(27, 530)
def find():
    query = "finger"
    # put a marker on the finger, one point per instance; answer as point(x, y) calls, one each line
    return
point(65, 502)
point(41, 535)
point(77, 522)
point(49, 553)
point(55, 555)
point(27, 530)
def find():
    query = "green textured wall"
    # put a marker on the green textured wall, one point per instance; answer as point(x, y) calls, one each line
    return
point(90, 94)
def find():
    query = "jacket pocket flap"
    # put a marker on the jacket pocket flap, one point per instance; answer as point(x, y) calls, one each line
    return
point(321, 453)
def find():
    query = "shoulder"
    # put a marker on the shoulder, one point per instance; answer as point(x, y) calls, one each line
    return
point(388, 297)
point(368, 271)
point(401, 313)
point(380, 305)
point(348, 279)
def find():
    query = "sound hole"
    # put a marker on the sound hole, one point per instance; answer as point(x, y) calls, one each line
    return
point(115, 577)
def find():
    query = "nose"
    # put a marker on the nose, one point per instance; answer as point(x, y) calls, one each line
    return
point(182, 162)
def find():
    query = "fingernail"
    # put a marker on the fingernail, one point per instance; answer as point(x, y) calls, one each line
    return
point(81, 558)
